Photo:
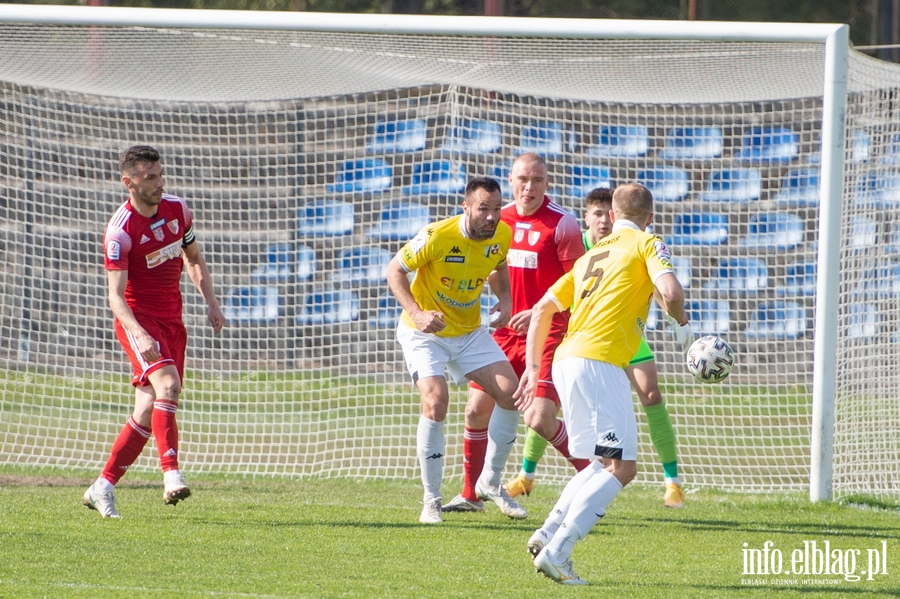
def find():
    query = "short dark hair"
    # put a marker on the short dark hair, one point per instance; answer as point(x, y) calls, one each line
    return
point(600, 195)
point(135, 154)
point(488, 184)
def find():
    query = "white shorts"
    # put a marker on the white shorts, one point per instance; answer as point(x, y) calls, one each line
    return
point(598, 409)
point(427, 355)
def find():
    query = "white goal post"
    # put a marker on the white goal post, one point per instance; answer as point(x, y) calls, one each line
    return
point(308, 143)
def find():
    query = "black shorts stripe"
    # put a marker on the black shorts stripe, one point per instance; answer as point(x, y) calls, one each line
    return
point(614, 453)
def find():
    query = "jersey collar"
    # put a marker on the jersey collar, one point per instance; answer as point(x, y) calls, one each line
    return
point(625, 224)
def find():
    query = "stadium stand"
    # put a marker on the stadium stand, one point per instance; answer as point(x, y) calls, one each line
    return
point(255, 304)
point(666, 183)
point(371, 175)
point(739, 275)
point(773, 231)
point(699, 228)
point(474, 136)
point(284, 264)
point(692, 143)
point(364, 265)
point(769, 145)
point(399, 221)
point(620, 141)
point(777, 320)
point(437, 178)
point(325, 218)
point(328, 306)
point(547, 138)
point(398, 136)
point(799, 188)
point(733, 185)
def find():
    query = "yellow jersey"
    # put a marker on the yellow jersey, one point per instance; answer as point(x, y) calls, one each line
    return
point(451, 269)
point(610, 289)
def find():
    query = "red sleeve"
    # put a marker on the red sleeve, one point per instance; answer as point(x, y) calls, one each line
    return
point(569, 244)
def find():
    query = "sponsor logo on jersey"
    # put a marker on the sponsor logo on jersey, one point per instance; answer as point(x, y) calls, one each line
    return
point(171, 251)
point(491, 250)
point(455, 304)
point(158, 233)
point(144, 238)
point(522, 259)
point(113, 250)
point(462, 284)
point(173, 226)
point(418, 242)
point(526, 226)
point(456, 259)
point(533, 237)
point(662, 251)
point(455, 250)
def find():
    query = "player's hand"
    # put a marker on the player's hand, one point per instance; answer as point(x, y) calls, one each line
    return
point(684, 334)
point(429, 321)
point(216, 318)
point(527, 390)
point(147, 346)
point(504, 308)
point(519, 322)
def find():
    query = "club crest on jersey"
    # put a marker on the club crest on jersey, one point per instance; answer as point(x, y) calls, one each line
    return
point(492, 249)
point(519, 235)
point(173, 226)
point(158, 233)
point(533, 237)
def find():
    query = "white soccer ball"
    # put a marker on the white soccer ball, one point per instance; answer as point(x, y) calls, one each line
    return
point(710, 359)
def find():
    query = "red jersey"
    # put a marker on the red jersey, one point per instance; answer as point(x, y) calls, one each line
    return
point(150, 249)
point(545, 245)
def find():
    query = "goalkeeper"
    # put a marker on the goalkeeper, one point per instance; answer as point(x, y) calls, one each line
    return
point(641, 373)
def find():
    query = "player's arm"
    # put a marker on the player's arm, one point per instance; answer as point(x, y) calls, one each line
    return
point(146, 345)
point(499, 282)
point(670, 296)
point(538, 330)
point(199, 274)
point(427, 321)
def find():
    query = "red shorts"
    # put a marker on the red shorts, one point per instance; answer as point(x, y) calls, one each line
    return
point(172, 339)
point(513, 345)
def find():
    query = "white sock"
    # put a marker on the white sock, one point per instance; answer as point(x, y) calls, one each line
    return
point(561, 509)
point(103, 486)
point(502, 431)
point(590, 504)
point(430, 450)
point(673, 481)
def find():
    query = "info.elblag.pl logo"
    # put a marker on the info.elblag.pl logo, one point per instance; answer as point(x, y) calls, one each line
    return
point(819, 559)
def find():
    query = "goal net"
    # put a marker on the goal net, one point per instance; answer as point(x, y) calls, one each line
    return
point(308, 158)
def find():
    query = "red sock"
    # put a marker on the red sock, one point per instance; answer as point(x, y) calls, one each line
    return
point(125, 451)
point(561, 442)
point(474, 449)
point(165, 431)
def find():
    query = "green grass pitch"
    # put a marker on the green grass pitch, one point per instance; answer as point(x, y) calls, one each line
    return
point(336, 537)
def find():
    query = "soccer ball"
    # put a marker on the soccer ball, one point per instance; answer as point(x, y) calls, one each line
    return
point(710, 359)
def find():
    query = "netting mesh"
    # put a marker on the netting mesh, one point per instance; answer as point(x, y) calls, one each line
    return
point(308, 159)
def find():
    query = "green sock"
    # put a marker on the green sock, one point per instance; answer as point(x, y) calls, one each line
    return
point(533, 452)
point(663, 437)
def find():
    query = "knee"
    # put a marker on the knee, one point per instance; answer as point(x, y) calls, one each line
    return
point(169, 388)
point(624, 470)
point(478, 413)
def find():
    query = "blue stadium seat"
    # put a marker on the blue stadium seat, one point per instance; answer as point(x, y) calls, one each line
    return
point(692, 143)
point(683, 271)
point(769, 145)
point(739, 275)
point(437, 177)
point(367, 175)
point(861, 321)
point(474, 136)
point(583, 178)
point(800, 187)
point(256, 304)
point(773, 231)
point(733, 185)
point(398, 136)
point(547, 138)
point(878, 190)
point(863, 233)
point(399, 221)
point(891, 155)
point(620, 141)
point(880, 282)
point(859, 148)
point(328, 306)
point(284, 264)
point(666, 183)
point(500, 172)
point(777, 320)
point(388, 312)
point(709, 317)
point(699, 228)
point(364, 265)
point(799, 279)
point(325, 218)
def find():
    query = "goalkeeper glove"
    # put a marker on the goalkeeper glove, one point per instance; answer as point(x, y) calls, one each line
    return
point(684, 335)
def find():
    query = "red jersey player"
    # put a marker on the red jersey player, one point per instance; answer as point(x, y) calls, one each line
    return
point(148, 242)
point(546, 243)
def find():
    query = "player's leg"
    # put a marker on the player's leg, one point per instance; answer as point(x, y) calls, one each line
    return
point(597, 406)
point(435, 398)
point(499, 381)
point(642, 374)
point(541, 416)
point(532, 452)
point(479, 407)
point(167, 389)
